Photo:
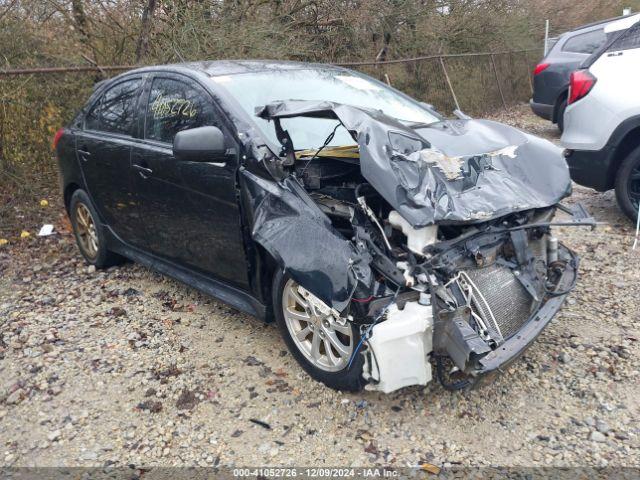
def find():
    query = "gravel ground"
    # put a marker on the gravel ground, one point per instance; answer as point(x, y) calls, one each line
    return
point(126, 366)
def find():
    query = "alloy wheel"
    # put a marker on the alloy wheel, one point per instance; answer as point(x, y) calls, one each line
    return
point(326, 344)
point(86, 230)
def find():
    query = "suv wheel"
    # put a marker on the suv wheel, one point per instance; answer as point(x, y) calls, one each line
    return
point(89, 233)
point(320, 345)
point(628, 184)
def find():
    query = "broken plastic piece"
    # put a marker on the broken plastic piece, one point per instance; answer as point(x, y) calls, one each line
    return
point(46, 230)
point(400, 346)
point(417, 238)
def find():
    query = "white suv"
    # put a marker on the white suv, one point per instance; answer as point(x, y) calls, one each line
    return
point(602, 120)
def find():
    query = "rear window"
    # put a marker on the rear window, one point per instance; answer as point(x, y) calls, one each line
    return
point(586, 43)
point(628, 40)
point(115, 110)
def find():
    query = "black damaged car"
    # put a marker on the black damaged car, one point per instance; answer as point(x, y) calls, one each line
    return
point(381, 237)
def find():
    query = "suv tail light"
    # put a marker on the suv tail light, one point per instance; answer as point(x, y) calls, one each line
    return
point(57, 137)
point(540, 67)
point(581, 83)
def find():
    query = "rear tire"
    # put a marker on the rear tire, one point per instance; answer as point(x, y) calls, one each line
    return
point(560, 116)
point(628, 184)
point(339, 376)
point(89, 232)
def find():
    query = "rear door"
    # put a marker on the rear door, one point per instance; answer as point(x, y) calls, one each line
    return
point(190, 209)
point(103, 147)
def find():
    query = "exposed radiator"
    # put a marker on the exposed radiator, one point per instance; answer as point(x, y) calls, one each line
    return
point(510, 303)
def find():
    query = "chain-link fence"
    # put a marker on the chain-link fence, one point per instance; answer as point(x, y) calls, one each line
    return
point(34, 103)
point(476, 83)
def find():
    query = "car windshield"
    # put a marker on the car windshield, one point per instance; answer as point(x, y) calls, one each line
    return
point(256, 89)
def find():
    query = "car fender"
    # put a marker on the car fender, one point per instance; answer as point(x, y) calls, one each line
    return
point(302, 241)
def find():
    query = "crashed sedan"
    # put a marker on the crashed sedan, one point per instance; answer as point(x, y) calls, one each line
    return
point(381, 237)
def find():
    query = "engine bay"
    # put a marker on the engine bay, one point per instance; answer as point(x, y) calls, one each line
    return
point(454, 293)
point(436, 253)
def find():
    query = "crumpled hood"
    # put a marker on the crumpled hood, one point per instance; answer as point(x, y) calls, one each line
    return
point(471, 137)
point(460, 171)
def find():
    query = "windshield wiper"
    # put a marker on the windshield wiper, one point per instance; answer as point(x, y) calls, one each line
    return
point(326, 142)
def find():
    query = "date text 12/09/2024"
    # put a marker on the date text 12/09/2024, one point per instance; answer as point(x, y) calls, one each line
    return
point(313, 472)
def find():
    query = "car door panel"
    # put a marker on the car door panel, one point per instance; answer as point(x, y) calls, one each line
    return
point(190, 209)
point(103, 148)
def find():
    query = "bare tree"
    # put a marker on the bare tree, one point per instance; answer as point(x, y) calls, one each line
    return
point(145, 29)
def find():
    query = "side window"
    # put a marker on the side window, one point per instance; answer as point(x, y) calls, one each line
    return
point(585, 42)
point(628, 40)
point(175, 106)
point(116, 109)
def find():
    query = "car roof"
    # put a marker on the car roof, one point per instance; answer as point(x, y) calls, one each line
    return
point(623, 24)
point(214, 68)
point(557, 48)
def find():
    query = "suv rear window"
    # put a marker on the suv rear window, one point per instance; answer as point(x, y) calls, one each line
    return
point(585, 42)
point(628, 40)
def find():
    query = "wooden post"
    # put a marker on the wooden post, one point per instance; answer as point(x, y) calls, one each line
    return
point(446, 77)
point(527, 67)
point(495, 71)
point(3, 115)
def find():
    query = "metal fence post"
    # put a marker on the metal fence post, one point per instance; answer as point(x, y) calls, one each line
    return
point(446, 77)
point(495, 71)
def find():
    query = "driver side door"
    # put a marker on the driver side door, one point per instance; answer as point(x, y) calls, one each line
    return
point(189, 209)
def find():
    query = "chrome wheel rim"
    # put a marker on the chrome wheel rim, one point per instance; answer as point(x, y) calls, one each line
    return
point(326, 344)
point(86, 230)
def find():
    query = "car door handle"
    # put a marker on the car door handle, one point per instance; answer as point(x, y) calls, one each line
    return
point(84, 154)
point(143, 171)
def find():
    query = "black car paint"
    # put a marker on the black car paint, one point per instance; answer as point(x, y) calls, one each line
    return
point(243, 269)
point(550, 87)
point(232, 265)
point(204, 197)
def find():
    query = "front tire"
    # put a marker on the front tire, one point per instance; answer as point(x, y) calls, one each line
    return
point(322, 347)
point(89, 233)
point(628, 184)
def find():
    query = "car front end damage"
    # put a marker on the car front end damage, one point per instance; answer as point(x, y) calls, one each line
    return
point(435, 240)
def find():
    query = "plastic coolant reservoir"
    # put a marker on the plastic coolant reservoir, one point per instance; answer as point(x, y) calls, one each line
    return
point(401, 345)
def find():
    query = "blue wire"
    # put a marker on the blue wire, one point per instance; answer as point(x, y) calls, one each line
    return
point(366, 333)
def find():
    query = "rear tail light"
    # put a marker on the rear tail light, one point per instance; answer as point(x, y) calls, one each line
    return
point(581, 83)
point(57, 137)
point(540, 67)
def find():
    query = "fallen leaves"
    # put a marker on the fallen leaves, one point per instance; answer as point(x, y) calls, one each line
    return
point(24, 234)
point(151, 406)
point(117, 312)
point(428, 467)
point(187, 400)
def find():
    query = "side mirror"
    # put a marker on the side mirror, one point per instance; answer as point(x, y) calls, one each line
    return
point(202, 144)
